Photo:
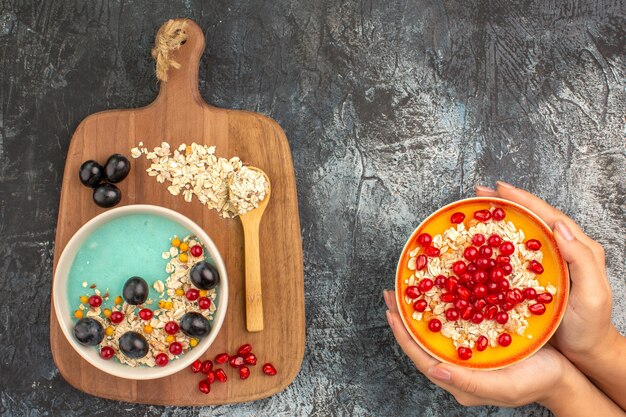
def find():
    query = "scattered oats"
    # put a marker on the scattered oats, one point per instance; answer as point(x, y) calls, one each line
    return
point(159, 286)
point(84, 284)
point(221, 184)
point(165, 255)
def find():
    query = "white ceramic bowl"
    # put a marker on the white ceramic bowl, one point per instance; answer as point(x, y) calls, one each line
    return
point(91, 353)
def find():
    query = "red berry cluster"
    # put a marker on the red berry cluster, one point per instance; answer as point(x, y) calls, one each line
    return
point(478, 288)
point(241, 360)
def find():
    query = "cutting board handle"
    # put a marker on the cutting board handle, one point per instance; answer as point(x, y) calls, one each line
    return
point(181, 87)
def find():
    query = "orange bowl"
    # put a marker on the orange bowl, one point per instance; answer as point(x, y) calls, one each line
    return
point(529, 332)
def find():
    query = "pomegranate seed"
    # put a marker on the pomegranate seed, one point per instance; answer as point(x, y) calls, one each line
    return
point(116, 317)
point(498, 214)
point(268, 369)
point(492, 287)
point(426, 284)
point(434, 325)
point(244, 372)
point(537, 309)
point(204, 302)
point(530, 293)
point(196, 366)
point(491, 264)
point(420, 305)
point(507, 248)
point(496, 274)
point(204, 387)
point(460, 304)
point(544, 298)
point(171, 327)
point(95, 301)
point(452, 314)
point(518, 295)
point(244, 349)
point(508, 306)
point(467, 313)
point(459, 267)
point(236, 361)
point(457, 217)
point(482, 263)
point(494, 241)
point(480, 277)
point(448, 297)
point(504, 285)
point(478, 318)
point(145, 314)
point(533, 244)
point(220, 375)
point(161, 359)
point(480, 304)
point(507, 269)
point(210, 377)
point(485, 251)
point(482, 215)
point(470, 253)
point(222, 358)
point(491, 298)
point(440, 281)
point(535, 267)
point(501, 297)
point(196, 250)
point(481, 343)
point(491, 312)
point(465, 278)
point(502, 317)
point(432, 252)
point(478, 239)
point(471, 268)
point(451, 284)
point(249, 359)
point(502, 259)
point(192, 294)
point(107, 352)
point(424, 239)
point(504, 339)
point(176, 348)
point(412, 291)
point(480, 290)
point(421, 263)
point(463, 292)
point(464, 353)
point(207, 366)
point(510, 296)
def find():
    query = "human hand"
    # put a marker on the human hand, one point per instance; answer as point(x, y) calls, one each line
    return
point(535, 379)
point(586, 328)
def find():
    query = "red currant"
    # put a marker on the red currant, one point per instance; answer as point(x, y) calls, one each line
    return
point(116, 317)
point(107, 352)
point(95, 301)
point(176, 348)
point(192, 294)
point(161, 359)
point(171, 327)
point(196, 250)
point(145, 314)
point(204, 302)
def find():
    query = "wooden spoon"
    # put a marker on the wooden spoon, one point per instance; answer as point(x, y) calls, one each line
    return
point(250, 222)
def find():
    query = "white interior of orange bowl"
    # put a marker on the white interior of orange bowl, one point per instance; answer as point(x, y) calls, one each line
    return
point(91, 353)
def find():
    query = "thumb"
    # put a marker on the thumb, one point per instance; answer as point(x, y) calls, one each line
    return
point(584, 269)
point(484, 384)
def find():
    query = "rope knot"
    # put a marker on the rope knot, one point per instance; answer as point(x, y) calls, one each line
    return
point(169, 39)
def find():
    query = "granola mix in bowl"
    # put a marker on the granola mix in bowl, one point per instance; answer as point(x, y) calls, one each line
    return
point(481, 283)
point(138, 325)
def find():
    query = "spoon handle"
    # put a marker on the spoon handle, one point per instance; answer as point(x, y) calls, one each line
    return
point(254, 299)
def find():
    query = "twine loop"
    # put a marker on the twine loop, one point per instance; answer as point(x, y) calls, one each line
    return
point(168, 39)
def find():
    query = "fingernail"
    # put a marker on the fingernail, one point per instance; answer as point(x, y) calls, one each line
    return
point(439, 373)
point(564, 230)
point(387, 297)
point(505, 185)
point(389, 319)
point(485, 189)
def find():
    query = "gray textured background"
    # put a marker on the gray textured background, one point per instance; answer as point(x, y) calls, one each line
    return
point(392, 109)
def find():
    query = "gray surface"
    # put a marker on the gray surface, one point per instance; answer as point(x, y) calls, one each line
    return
point(392, 109)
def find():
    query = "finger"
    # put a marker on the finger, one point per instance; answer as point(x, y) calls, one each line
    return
point(420, 358)
point(482, 191)
point(390, 300)
point(548, 214)
point(587, 276)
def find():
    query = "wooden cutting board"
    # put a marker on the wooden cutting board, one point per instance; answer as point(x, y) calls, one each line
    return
point(180, 115)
